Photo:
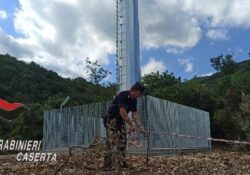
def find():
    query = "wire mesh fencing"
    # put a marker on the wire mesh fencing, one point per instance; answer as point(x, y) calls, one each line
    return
point(80, 125)
point(172, 120)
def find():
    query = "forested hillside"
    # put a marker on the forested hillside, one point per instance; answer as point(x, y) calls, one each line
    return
point(225, 95)
point(40, 89)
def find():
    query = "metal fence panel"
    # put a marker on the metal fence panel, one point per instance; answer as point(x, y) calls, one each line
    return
point(73, 126)
point(172, 118)
point(81, 124)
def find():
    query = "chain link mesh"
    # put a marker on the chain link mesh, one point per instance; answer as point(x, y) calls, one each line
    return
point(81, 125)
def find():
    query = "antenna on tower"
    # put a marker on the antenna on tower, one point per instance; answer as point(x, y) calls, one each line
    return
point(117, 40)
point(127, 44)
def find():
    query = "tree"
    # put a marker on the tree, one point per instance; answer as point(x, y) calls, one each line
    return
point(157, 80)
point(244, 115)
point(96, 72)
point(229, 65)
point(225, 65)
point(217, 62)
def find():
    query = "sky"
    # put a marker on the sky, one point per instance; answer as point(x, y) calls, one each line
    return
point(175, 35)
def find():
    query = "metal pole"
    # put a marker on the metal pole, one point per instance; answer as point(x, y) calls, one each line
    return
point(61, 116)
point(148, 149)
point(64, 102)
point(196, 130)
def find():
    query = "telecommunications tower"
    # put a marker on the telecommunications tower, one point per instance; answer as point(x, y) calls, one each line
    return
point(127, 44)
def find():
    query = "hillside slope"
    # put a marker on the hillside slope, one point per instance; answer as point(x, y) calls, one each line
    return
point(225, 95)
point(31, 83)
point(40, 89)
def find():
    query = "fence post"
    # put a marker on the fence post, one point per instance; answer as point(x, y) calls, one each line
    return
point(148, 149)
point(147, 110)
point(196, 128)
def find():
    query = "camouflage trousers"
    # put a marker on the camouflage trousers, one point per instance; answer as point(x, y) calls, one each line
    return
point(115, 143)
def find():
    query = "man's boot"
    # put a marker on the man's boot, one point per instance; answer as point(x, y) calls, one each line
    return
point(123, 164)
point(107, 163)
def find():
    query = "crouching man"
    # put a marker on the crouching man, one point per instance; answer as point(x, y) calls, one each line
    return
point(115, 123)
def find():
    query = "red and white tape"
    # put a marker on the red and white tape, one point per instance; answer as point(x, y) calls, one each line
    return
point(201, 138)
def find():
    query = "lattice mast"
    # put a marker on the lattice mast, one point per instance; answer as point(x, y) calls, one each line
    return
point(127, 44)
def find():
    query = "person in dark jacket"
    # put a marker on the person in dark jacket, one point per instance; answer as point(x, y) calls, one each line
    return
point(115, 124)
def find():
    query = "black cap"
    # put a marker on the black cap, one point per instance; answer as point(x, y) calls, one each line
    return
point(138, 86)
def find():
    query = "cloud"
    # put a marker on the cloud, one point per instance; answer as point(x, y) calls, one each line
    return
point(9, 45)
point(179, 24)
point(207, 74)
point(223, 13)
point(217, 34)
point(174, 50)
point(164, 23)
point(153, 66)
point(59, 34)
point(188, 65)
point(3, 14)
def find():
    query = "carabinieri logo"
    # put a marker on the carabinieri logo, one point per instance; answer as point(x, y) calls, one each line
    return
point(28, 150)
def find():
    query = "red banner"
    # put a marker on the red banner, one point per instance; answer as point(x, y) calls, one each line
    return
point(6, 106)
